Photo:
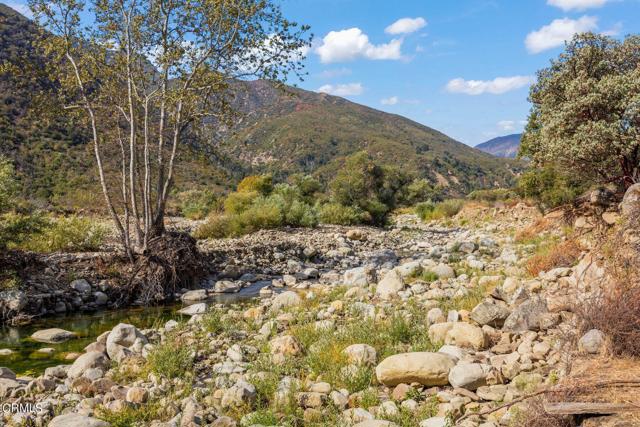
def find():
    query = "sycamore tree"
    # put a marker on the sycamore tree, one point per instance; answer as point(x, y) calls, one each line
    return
point(144, 75)
point(586, 110)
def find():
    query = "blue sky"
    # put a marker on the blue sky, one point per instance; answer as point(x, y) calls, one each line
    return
point(438, 65)
point(460, 66)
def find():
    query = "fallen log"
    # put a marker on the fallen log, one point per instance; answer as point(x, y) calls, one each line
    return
point(588, 408)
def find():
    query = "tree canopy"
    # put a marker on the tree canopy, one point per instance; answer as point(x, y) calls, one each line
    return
point(586, 110)
point(146, 75)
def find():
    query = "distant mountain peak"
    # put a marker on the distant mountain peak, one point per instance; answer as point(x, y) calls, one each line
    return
point(502, 146)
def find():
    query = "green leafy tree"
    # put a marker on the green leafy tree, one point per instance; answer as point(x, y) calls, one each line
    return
point(586, 110)
point(144, 76)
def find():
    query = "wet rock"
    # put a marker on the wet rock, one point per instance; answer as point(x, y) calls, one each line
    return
point(196, 295)
point(194, 309)
point(226, 287)
point(53, 336)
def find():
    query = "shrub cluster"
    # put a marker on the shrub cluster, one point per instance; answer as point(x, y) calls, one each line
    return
point(258, 204)
point(428, 211)
point(549, 187)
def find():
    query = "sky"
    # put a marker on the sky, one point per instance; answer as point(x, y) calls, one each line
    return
point(462, 67)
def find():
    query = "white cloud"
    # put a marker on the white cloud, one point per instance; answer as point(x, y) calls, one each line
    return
point(347, 89)
point(496, 86)
point(390, 101)
point(347, 45)
point(507, 125)
point(21, 8)
point(567, 5)
point(559, 31)
point(406, 26)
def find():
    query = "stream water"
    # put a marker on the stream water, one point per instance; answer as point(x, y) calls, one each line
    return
point(27, 357)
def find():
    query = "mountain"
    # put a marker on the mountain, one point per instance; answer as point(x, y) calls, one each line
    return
point(277, 131)
point(502, 146)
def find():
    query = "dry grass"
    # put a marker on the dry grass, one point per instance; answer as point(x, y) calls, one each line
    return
point(564, 254)
point(617, 314)
point(539, 226)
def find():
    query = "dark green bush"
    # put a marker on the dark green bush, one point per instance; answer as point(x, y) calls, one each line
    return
point(367, 186)
point(197, 204)
point(493, 195)
point(549, 186)
point(335, 213)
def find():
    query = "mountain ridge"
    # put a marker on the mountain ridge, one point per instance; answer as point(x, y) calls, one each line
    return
point(502, 146)
point(277, 132)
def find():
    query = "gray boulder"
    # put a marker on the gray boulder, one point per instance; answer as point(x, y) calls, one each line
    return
point(592, 342)
point(121, 339)
point(52, 336)
point(77, 420)
point(490, 314)
point(90, 360)
point(528, 316)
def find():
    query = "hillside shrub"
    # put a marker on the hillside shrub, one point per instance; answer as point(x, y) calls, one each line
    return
point(249, 210)
point(262, 184)
point(549, 187)
point(197, 204)
point(429, 211)
point(421, 190)
point(555, 255)
point(492, 195)
point(367, 186)
point(335, 213)
point(72, 234)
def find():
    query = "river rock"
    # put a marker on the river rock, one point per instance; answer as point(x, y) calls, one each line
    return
point(490, 314)
point(429, 369)
point(52, 336)
point(469, 375)
point(359, 276)
point(528, 316)
point(361, 354)
point(226, 287)
point(88, 361)
point(81, 285)
point(195, 295)
point(77, 420)
point(7, 385)
point(460, 334)
point(390, 285)
point(376, 423)
point(592, 342)
point(285, 345)
point(194, 309)
point(121, 339)
point(286, 299)
point(443, 271)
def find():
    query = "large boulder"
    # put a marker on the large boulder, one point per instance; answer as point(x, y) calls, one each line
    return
point(528, 316)
point(390, 285)
point(429, 369)
point(52, 336)
point(409, 269)
point(77, 420)
point(469, 375)
point(81, 285)
point(121, 339)
point(90, 360)
point(13, 300)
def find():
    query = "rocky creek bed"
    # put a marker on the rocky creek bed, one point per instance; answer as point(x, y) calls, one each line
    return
point(412, 326)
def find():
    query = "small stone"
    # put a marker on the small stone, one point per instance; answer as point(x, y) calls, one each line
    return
point(592, 342)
